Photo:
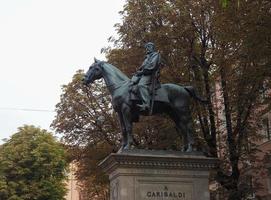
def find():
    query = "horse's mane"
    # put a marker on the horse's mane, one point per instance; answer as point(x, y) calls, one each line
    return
point(115, 71)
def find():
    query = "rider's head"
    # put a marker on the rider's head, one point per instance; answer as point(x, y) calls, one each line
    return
point(149, 47)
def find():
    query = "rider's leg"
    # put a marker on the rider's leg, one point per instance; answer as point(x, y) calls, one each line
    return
point(143, 89)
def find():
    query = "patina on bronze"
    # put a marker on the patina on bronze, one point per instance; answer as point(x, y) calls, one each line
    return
point(171, 99)
point(146, 77)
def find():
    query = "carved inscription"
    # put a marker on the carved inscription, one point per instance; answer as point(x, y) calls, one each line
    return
point(166, 191)
point(166, 194)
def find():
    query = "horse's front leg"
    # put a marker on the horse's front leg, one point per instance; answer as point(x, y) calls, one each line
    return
point(127, 120)
point(123, 132)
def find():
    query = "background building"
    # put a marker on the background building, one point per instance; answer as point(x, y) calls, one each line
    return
point(73, 187)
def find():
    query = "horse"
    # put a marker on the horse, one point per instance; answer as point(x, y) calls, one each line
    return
point(174, 100)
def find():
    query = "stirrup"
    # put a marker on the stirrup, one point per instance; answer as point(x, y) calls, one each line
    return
point(143, 107)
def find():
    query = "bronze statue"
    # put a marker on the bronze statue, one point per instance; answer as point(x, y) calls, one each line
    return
point(145, 77)
point(171, 99)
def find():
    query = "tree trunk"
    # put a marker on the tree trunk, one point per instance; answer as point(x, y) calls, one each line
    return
point(234, 157)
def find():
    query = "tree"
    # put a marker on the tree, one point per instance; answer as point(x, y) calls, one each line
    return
point(224, 53)
point(32, 166)
point(91, 130)
point(212, 47)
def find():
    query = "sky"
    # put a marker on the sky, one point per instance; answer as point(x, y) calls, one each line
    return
point(42, 44)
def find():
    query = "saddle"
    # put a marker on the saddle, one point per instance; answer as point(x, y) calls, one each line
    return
point(159, 94)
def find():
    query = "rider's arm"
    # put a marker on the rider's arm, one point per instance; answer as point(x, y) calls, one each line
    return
point(139, 73)
point(152, 65)
point(135, 79)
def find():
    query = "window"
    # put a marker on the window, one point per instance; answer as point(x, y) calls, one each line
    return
point(251, 193)
point(269, 180)
point(264, 91)
point(266, 128)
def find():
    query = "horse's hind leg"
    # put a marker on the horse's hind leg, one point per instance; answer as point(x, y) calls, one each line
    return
point(183, 121)
point(187, 123)
point(188, 128)
point(180, 131)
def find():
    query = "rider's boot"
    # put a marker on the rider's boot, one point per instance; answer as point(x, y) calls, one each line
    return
point(145, 97)
point(143, 107)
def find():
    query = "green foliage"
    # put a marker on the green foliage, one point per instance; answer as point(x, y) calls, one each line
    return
point(81, 114)
point(90, 129)
point(224, 51)
point(32, 166)
point(224, 3)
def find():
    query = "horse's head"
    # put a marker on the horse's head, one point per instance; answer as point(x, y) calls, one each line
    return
point(94, 72)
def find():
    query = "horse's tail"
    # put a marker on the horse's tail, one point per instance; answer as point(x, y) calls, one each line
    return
point(193, 94)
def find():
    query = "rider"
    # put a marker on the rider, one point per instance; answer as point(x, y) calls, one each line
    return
point(143, 77)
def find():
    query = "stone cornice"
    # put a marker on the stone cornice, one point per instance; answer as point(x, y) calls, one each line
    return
point(157, 160)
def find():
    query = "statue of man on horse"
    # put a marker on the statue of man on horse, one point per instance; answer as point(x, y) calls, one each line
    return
point(146, 78)
point(141, 96)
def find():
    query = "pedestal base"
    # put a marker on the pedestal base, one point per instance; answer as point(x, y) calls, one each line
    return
point(158, 175)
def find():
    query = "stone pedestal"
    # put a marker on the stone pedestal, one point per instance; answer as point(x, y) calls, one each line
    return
point(158, 175)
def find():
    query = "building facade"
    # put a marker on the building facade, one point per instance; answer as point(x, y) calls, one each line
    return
point(74, 190)
point(257, 172)
point(263, 191)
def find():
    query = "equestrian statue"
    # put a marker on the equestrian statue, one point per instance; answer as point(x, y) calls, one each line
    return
point(144, 95)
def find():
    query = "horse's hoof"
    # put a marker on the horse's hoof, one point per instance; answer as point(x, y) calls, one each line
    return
point(189, 149)
point(121, 149)
point(129, 147)
point(184, 149)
